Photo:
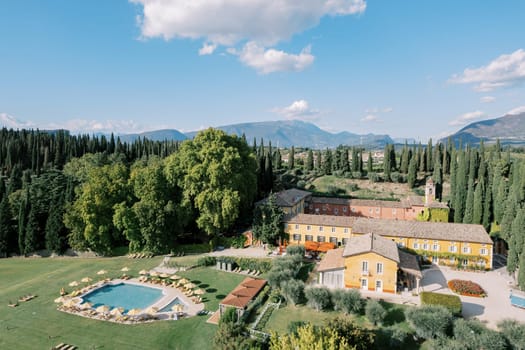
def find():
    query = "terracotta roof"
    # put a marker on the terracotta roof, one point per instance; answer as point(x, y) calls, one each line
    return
point(333, 260)
point(377, 203)
point(424, 230)
point(289, 198)
point(241, 296)
point(372, 243)
point(416, 201)
point(326, 220)
point(409, 264)
point(330, 200)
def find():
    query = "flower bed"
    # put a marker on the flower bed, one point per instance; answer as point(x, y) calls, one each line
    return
point(467, 288)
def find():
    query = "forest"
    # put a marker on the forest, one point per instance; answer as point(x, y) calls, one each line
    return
point(94, 192)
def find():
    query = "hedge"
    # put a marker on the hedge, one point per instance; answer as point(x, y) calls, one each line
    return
point(451, 302)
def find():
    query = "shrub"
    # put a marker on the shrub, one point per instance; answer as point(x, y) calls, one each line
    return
point(473, 334)
point(229, 316)
point(293, 291)
point(295, 250)
point(451, 302)
point(357, 174)
point(374, 177)
point(359, 338)
point(393, 337)
point(514, 332)
point(277, 277)
point(429, 321)
point(467, 288)
point(348, 301)
point(374, 311)
point(238, 242)
point(318, 297)
point(206, 261)
point(294, 325)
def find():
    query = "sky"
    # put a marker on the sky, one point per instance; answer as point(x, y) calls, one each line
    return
point(409, 69)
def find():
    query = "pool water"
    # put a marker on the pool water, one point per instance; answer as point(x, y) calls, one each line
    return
point(168, 307)
point(128, 296)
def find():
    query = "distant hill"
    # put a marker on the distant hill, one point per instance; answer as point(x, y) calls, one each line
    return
point(509, 129)
point(157, 135)
point(287, 133)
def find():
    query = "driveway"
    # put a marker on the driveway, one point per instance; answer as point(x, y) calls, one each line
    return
point(491, 309)
point(249, 252)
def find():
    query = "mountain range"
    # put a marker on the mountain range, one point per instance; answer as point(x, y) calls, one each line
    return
point(282, 133)
point(509, 129)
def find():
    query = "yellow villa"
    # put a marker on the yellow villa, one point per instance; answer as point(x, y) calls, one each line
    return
point(370, 262)
point(444, 243)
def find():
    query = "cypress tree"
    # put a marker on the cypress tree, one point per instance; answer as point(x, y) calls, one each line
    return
point(291, 158)
point(355, 162)
point(511, 209)
point(327, 162)
point(370, 163)
point(461, 188)
point(278, 162)
point(477, 215)
point(516, 244)
point(22, 220)
point(499, 201)
point(429, 160)
point(6, 229)
point(55, 228)
point(437, 177)
point(469, 204)
point(387, 166)
point(345, 161)
point(422, 158)
point(403, 167)
point(310, 160)
point(412, 173)
point(268, 173)
point(318, 161)
point(30, 243)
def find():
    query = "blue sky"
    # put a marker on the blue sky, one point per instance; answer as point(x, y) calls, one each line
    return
point(405, 68)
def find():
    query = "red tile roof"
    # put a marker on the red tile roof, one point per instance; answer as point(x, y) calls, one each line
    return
point(241, 296)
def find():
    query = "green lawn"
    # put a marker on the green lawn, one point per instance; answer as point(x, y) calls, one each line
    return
point(38, 325)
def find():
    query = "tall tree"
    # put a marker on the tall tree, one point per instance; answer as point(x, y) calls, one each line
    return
point(310, 160)
point(412, 173)
point(469, 204)
point(291, 158)
point(477, 215)
point(6, 228)
point(30, 243)
point(461, 188)
point(327, 162)
point(268, 221)
point(370, 163)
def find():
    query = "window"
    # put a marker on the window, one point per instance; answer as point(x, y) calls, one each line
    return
point(345, 241)
point(320, 228)
point(435, 259)
point(324, 207)
point(364, 267)
point(320, 239)
point(377, 210)
point(465, 262)
point(435, 247)
point(296, 237)
point(308, 238)
point(333, 240)
point(352, 209)
point(466, 250)
point(370, 210)
point(483, 251)
point(345, 230)
point(452, 249)
point(379, 268)
point(296, 226)
point(425, 246)
point(344, 209)
point(333, 229)
point(336, 211)
point(416, 245)
point(317, 210)
point(452, 260)
point(401, 244)
point(308, 228)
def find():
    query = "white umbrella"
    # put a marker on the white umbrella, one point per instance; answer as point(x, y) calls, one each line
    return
point(154, 273)
point(163, 275)
point(134, 312)
point(102, 272)
point(189, 285)
point(60, 300)
point(73, 284)
point(152, 310)
point(143, 272)
point(199, 292)
point(117, 311)
point(177, 307)
point(124, 269)
point(175, 277)
point(86, 280)
point(86, 306)
point(102, 309)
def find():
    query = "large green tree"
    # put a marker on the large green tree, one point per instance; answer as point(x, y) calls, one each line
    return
point(217, 175)
point(267, 221)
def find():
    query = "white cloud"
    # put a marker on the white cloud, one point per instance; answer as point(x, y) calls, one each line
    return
point(487, 99)
point(259, 23)
point(228, 22)
point(517, 110)
point(270, 60)
point(207, 49)
point(506, 70)
point(466, 118)
point(97, 126)
point(370, 118)
point(387, 110)
point(299, 109)
point(11, 122)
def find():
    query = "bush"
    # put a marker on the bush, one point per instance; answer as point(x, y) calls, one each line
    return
point(206, 261)
point(514, 332)
point(348, 301)
point(295, 250)
point(238, 242)
point(374, 311)
point(393, 337)
point(357, 174)
point(473, 334)
point(229, 316)
point(374, 177)
point(467, 288)
point(451, 302)
point(301, 184)
point(294, 325)
point(430, 321)
point(318, 297)
point(293, 291)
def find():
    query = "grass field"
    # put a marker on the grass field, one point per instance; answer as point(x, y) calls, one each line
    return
point(37, 324)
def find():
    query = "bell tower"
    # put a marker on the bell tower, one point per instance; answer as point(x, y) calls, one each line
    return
point(430, 191)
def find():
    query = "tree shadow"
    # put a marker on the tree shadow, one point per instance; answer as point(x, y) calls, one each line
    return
point(220, 296)
point(211, 290)
point(394, 315)
point(204, 285)
point(471, 309)
point(196, 281)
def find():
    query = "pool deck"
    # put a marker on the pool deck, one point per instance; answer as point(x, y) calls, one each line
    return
point(168, 295)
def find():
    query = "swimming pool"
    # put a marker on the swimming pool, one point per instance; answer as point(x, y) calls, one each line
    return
point(126, 295)
point(169, 307)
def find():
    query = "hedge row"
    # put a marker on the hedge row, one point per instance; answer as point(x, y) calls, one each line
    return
point(251, 264)
point(451, 302)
